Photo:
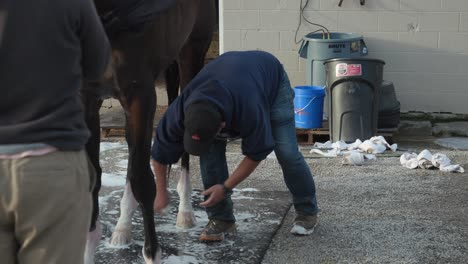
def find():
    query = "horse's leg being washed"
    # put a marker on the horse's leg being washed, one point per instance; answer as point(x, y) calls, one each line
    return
point(191, 60)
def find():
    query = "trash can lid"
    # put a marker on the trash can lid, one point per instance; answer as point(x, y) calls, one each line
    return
point(359, 59)
point(334, 37)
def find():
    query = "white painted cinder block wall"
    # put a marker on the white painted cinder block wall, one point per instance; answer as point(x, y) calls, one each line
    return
point(423, 42)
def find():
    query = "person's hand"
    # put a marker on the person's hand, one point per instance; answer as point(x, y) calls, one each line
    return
point(161, 201)
point(215, 195)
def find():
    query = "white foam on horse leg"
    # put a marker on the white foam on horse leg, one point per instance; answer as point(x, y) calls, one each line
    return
point(149, 260)
point(92, 242)
point(181, 259)
point(122, 234)
point(186, 216)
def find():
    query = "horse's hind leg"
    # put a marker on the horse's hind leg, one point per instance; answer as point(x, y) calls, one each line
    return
point(185, 216)
point(92, 104)
point(172, 79)
point(191, 61)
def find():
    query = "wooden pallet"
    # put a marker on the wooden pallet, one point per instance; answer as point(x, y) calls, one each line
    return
point(115, 132)
point(107, 132)
point(310, 136)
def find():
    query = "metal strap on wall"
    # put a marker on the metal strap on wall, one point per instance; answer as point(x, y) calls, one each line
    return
point(363, 2)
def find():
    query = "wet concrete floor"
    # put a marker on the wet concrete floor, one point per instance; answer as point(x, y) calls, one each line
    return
point(259, 215)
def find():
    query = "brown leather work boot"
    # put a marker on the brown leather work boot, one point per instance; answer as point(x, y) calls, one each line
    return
point(215, 230)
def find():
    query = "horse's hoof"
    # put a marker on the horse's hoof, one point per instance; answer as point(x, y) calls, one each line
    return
point(89, 258)
point(149, 260)
point(121, 237)
point(186, 220)
point(92, 242)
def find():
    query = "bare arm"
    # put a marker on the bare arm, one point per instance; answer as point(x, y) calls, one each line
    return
point(245, 168)
point(216, 193)
point(162, 195)
point(161, 178)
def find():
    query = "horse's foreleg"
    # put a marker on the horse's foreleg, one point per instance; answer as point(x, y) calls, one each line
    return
point(122, 234)
point(140, 109)
point(92, 105)
point(185, 216)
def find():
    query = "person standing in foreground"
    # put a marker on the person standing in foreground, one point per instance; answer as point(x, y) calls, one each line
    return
point(247, 95)
point(46, 48)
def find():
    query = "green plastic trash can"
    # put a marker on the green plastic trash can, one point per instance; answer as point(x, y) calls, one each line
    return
point(353, 86)
point(316, 48)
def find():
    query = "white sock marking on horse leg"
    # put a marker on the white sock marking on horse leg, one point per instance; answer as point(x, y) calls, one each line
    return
point(185, 217)
point(91, 243)
point(157, 258)
point(123, 230)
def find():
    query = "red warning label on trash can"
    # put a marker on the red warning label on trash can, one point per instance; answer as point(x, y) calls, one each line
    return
point(344, 69)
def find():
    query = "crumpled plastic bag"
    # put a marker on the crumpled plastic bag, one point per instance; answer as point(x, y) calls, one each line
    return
point(329, 154)
point(442, 162)
point(326, 145)
point(425, 160)
point(377, 145)
point(356, 158)
point(371, 147)
point(409, 160)
point(374, 145)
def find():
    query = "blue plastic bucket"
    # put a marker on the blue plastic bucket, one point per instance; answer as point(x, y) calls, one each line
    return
point(308, 106)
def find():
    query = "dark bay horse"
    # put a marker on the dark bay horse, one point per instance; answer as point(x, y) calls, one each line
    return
point(146, 37)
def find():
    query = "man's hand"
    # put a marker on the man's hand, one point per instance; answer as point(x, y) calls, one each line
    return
point(161, 201)
point(216, 194)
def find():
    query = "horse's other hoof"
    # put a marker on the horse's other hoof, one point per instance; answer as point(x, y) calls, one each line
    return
point(91, 244)
point(186, 220)
point(149, 260)
point(121, 237)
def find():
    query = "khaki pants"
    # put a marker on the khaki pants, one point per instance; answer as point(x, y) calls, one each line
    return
point(45, 208)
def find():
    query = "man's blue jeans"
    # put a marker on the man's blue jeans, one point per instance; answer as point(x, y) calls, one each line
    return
point(296, 172)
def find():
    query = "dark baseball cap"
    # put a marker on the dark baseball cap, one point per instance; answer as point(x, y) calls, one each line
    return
point(202, 122)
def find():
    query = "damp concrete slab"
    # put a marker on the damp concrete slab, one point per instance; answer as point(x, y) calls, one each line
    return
point(460, 143)
point(380, 212)
point(419, 128)
point(451, 129)
point(259, 214)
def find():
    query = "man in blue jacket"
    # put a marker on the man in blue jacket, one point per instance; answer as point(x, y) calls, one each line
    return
point(244, 95)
